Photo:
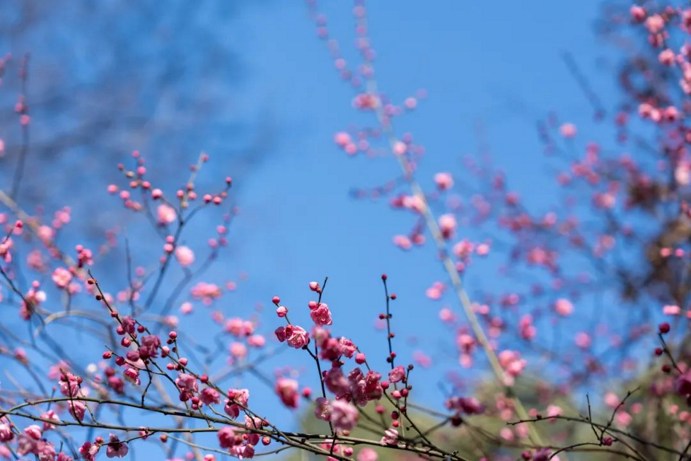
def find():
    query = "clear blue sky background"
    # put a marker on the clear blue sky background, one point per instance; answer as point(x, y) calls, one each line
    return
point(495, 65)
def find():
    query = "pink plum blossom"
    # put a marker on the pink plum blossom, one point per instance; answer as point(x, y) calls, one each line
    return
point(320, 314)
point(287, 391)
point(343, 415)
point(184, 255)
point(166, 214)
point(62, 277)
point(116, 448)
point(444, 181)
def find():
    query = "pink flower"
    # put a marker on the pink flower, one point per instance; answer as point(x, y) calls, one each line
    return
point(638, 13)
point(655, 23)
point(5, 431)
point(166, 214)
point(347, 347)
point(207, 292)
point(226, 437)
point(184, 255)
point(367, 454)
point(62, 277)
point(28, 440)
point(187, 384)
point(366, 101)
point(400, 148)
point(20, 355)
point(148, 346)
point(46, 234)
point(611, 400)
point(512, 363)
point(45, 451)
point(671, 309)
point(256, 341)
point(444, 181)
point(447, 225)
point(446, 315)
point(33, 432)
point(413, 203)
point(397, 374)
point(563, 307)
point(321, 315)
point(482, 249)
point(116, 449)
point(239, 327)
point(436, 291)
point(237, 400)
point(70, 385)
point(281, 334)
point(322, 409)
point(364, 387)
point(186, 308)
point(34, 260)
point(56, 371)
point(132, 375)
point(583, 340)
point(467, 405)
point(210, 395)
point(242, 451)
point(330, 348)
point(463, 249)
point(342, 139)
point(336, 382)
point(666, 57)
point(5, 247)
point(390, 437)
point(253, 422)
point(526, 327)
point(553, 411)
point(296, 336)
point(238, 350)
point(568, 130)
point(287, 391)
point(32, 299)
point(344, 415)
point(402, 242)
point(682, 173)
point(605, 200)
point(50, 415)
point(77, 409)
point(89, 451)
point(624, 418)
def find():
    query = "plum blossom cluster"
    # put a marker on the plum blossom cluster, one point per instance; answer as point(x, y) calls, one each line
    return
point(166, 212)
point(346, 391)
point(236, 444)
point(115, 448)
point(31, 442)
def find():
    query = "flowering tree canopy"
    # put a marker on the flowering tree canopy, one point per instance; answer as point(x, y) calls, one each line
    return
point(576, 347)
